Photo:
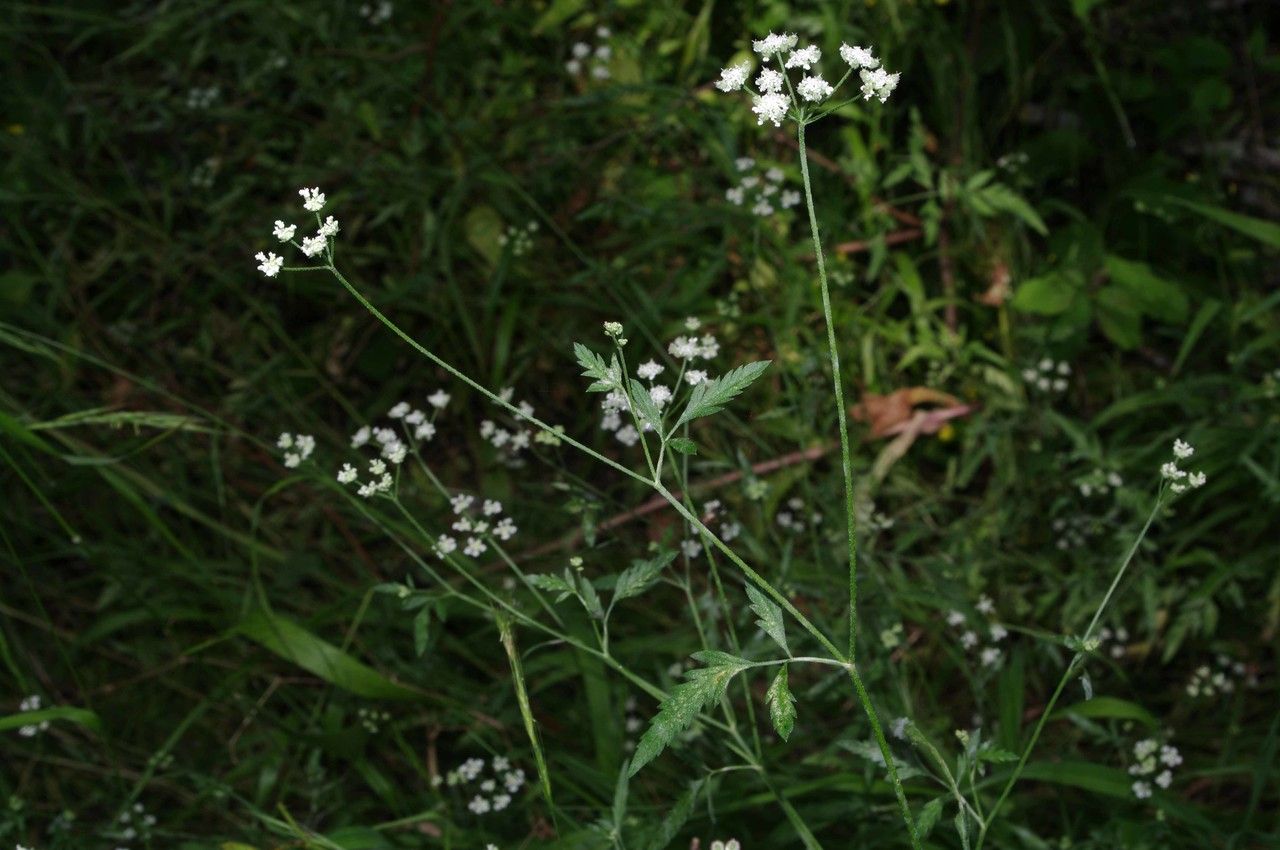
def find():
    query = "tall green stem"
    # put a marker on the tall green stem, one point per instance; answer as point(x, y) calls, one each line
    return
point(833, 353)
point(846, 467)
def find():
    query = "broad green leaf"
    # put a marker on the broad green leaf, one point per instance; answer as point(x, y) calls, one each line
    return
point(782, 705)
point(82, 716)
point(770, 621)
point(1082, 774)
point(929, 815)
point(1157, 297)
point(1047, 295)
point(996, 755)
point(683, 445)
point(641, 575)
point(704, 688)
point(421, 633)
point(484, 231)
point(711, 396)
point(1112, 708)
point(998, 197)
point(295, 644)
point(1266, 232)
point(1120, 317)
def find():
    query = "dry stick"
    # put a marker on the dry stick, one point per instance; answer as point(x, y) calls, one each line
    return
point(657, 503)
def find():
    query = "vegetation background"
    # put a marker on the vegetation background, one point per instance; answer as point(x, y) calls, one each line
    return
point(1091, 182)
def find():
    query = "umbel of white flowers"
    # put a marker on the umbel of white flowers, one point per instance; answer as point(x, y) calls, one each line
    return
point(769, 100)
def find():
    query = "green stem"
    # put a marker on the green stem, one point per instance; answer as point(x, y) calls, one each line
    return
point(846, 467)
point(1070, 672)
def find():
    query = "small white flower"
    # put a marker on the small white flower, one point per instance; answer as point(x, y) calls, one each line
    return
point(284, 232)
point(773, 44)
point(735, 195)
point(744, 163)
point(684, 348)
point(438, 399)
point(445, 544)
point(347, 474)
point(1196, 479)
point(474, 548)
point(691, 548)
point(491, 507)
point(1141, 790)
point(1182, 450)
point(878, 83)
point(501, 763)
point(1170, 471)
point(461, 502)
point(773, 175)
point(649, 370)
point(501, 801)
point(789, 198)
point(858, 57)
point(395, 452)
point(361, 436)
point(398, 411)
point(990, 656)
point(969, 640)
point(479, 805)
point(573, 66)
point(898, 728)
point(1170, 756)
point(805, 57)
point(312, 199)
point(762, 208)
point(999, 632)
point(770, 81)
point(269, 264)
point(695, 377)
point(734, 77)
point(708, 347)
point(330, 227)
point(312, 245)
point(581, 50)
point(771, 108)
point(627, 435)
point(284, 441)
point(1165, 779)
point(505, 529)
point(425, 431)
point(985, 605)
point(660, 395)
point(377, 467)
point(955, 618)
point(414, 417)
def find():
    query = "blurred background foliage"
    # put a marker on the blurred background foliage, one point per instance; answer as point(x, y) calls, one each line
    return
point(1090, 183)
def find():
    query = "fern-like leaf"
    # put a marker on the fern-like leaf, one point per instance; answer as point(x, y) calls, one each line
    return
point(704, 688)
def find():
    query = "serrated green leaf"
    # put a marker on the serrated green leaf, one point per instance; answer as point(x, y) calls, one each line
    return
point(1047, 295)
point(606, 376)
point(770, 615)
point(590, 599)
point(646, 411)
point(666, 832)
point(684, 446)
point(711, 396)
point(551, 584)
point(782, 705)
point(641, 575)
point(962, 827)
point(705, 687)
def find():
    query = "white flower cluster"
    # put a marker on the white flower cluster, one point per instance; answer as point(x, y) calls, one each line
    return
point(1207, 682)
point(32, 703)
point(372, 719)
point(731, 844)
point(1074, 531)
point(1048, 376)
point(377, 13)
point(520, 239)
point(990, 655)
point(1180, 479)
point(511, 440)
point(593, 59)
point(495, 792)
point(794, 518)
point(1099, 482)
point(136, 824)
point(633, 723)
point(296, 448)
point(202, 98)
point(313, 200)
point(480, 521)
point(683, 348)
point(202, 176)
point(713, 512)
point(759, 193)
point(770, 103)
point(416, 426)
point(1121, 638)
point(1146, 763)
